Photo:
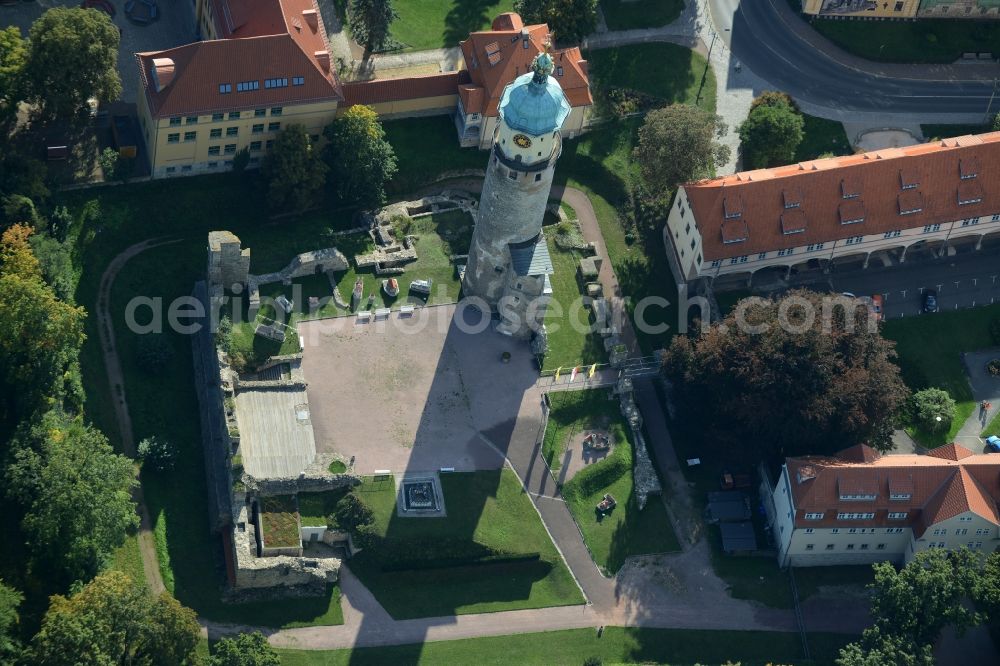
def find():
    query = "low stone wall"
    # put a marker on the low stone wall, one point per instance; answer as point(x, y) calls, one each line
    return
point(300, 484)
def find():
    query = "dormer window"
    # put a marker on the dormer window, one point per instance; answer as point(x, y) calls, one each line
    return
point(969, 192)
point(793, 221)
point(968, 168)
point(732, 207)
point(852, 212)
point(850, 188)
point(792, 198)
point(910, 202)
point(909, 179)
point(734, 231)
point(900, 496)
point(225, 88)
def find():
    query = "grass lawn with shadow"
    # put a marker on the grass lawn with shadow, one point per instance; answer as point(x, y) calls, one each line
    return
point(625, 531)
point(427, 150)
point(484, 509)
point(572, 412)
point(632, 14)
point(315, 508)
point(617, 645)
point(433, 24)
point(822, 137)
point(930, 354)
point(934, 132)
point(921, 41)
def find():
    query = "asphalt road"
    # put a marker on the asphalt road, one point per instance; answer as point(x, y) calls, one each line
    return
point(760, 40)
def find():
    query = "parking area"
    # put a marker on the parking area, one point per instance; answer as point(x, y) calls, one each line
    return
point(176, 26)
point(962, 276)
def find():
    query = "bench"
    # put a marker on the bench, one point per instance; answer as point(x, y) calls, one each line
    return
point(406, 310)
point(364, 315)
point(381, 312)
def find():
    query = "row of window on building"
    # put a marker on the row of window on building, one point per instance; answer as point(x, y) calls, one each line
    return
point(216, 133)
point(232, 115)
point(853, 240)
point(250, 86)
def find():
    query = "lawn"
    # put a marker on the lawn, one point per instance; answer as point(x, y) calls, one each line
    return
point(922, 41)
point(567, 321)
point(810, 580)
point(933, 132)
point(617, 645)
point(631, 14)
point(821, 138)
point(992, 428)
point(433, 24)
point(315, 508)
point(930, 348)
point(485, 510)
point(571, 412)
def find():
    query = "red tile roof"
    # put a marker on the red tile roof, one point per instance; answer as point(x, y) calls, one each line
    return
point(945, 483)
point(261, 39)
point(864, 194)
point(397, 90)
point(496, 57)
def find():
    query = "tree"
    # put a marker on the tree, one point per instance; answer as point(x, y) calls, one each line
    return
point(933, 409)
point(108, 161)
point(156, 454)
point(569, 20)
point(803, 374)
point(294, 170)
point(75, 493)
point(72, 56)
point(879, 649)
point(770, 135)
point(13, 56)
point(351, 513)
point(361, 161)
point(241, 160)
point(774, 98)
point(678, 144)
point(369, 22)
point(113, 620)
point(244, 650)
point(154, 352)
point(40, 336)
point(10, 599)
point(56, 262)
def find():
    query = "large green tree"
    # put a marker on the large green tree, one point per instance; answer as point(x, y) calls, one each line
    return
point(72, 56)
point(113, 620)
point(369, 22)
point(801, 374)
point(361, 161)
point(679, 143)
point(880, 649)
point(294, 170)
point(568, 20)
point(13, 57)
point(40, 336)
point(10, 599)
point(244, 650)
point(75, 493)
point(933, 409)
point(772, 132)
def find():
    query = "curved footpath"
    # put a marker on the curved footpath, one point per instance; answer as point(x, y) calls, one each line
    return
point(116, 387)
point(677, 591)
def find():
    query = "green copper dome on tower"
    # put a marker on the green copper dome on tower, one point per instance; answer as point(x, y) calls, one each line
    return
point(534, 103)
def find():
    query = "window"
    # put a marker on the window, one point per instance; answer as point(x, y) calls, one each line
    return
point(232, 131)
point(213, 150)
point(268, 144)
point(892, 234)
point(191, 120)
point(962, 531)
point(186, 169)
point(899, 496)
point(814, 246)
point(965, 519)
point(273, 127)
point(247, 86)
point(864, 546)
point(257, 129)
point(230, 148)
point(255, 145)
point(275, 83)
point(225, 88)
point(981, 531)
point(512, 174)
point(234, 115)
point(809, 530)
point(175, 121)
point(835, 530)
point(215, 133)
point(699, 259)
point(866, 498)
point(693, 243)
point(855, 516)
point(259, 113)
point(173, 138)
point(880, 546)
point(829, 546)
point(814, 516)
point(853, 240)
point(809, 546)
point(716, 263)
point(894, 530)
point(898, 515)
point(298, 80)
point(979, 544)
point(171, 169)
point(940, 532)
point(854, 530)
point(995, 218)
point(762, 255)
point(971, 222)
point(213, 165)
point(190, 136)
point(217, 117)
point(850, 546)
point(275, 110)
point(785, 253)
point(538, 177)
point(931, 228)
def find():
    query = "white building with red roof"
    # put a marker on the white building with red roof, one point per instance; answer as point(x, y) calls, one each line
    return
point(860, 507)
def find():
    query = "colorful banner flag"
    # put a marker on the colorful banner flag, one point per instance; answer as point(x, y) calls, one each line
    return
point(558, 370)
point(572, 377)
point(593, 369)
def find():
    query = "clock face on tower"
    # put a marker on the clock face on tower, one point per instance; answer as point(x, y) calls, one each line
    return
point(522, 141)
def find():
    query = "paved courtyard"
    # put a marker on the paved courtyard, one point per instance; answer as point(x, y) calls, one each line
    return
point(410, 394)
point(174, 28)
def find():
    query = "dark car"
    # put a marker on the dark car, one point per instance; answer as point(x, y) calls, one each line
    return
point(930, 301)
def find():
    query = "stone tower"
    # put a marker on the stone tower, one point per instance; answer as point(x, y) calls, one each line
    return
point(509, 262)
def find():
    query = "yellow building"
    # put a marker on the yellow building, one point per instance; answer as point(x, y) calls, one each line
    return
point(861, 8)
point(265, 64)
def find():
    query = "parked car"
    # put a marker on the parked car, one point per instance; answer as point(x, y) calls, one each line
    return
point(930, 301)
point(876, 306)
point(993, 444)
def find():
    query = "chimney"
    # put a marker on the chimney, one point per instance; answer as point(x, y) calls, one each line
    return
point(163, 73)
point(583, 66)
point(323, 58)
point(310, 16)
